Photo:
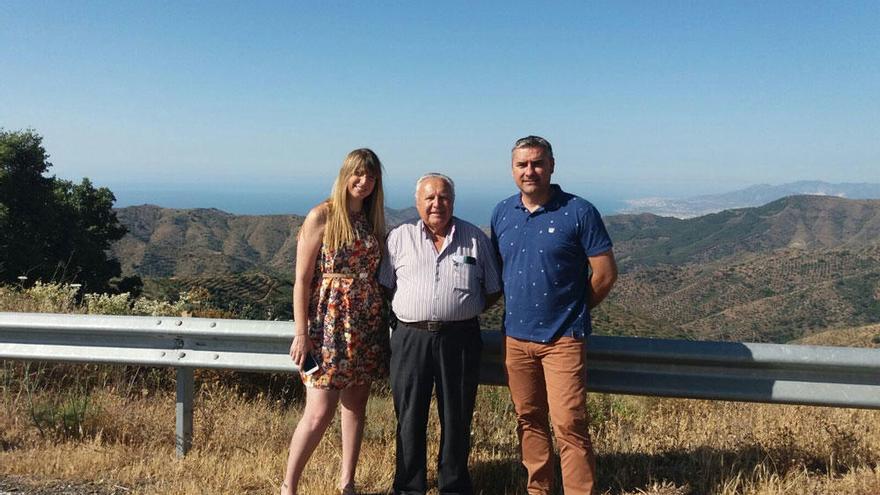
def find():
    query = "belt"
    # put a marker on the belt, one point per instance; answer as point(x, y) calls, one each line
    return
point(437, 326)
point(346, 275)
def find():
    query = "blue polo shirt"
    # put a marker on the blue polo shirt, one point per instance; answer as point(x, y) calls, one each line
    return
point(544, 264)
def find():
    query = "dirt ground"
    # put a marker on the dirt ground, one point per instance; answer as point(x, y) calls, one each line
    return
point(19, 485)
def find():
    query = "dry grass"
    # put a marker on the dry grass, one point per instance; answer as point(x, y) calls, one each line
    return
point(645, 445)
point(112, 429)
point(866, 336)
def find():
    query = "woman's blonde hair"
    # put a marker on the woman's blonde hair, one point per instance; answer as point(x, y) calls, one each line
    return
point(338, 230)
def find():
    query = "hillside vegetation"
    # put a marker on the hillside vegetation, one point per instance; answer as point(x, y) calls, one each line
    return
point(165, 242)
point(867, 336)
point(207, 242)
point(769, 274)
point(801, 222)
point(773, 273)
point(773, 297)
point(252, 296)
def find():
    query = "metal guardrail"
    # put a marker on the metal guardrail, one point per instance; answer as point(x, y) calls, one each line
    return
point(791, 374)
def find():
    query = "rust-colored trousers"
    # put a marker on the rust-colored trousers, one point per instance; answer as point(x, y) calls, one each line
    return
point(550, 380)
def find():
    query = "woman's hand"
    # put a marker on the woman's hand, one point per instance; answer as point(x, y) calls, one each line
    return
point(299, 348)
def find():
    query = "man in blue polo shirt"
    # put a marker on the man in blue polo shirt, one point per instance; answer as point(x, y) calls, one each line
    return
point(557, 264)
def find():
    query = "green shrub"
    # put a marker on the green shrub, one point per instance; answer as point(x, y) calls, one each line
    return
point(604, 407)
point(69, 416)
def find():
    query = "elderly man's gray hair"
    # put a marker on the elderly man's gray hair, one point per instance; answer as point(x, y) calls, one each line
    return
point(436, 175)
point(533, 142)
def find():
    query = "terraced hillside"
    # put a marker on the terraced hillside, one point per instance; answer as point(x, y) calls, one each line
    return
point(256, 296)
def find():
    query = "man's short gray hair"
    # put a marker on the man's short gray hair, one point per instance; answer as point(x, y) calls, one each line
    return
point(436, 175)
point(533, 142)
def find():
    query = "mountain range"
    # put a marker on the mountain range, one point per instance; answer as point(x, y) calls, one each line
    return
point(751, 196)
point(796, 222)
point(774, 273)
point(166, 242)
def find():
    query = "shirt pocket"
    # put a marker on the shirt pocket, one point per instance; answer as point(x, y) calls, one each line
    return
point(466, 277)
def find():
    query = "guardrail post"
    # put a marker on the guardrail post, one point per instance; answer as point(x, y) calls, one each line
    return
point(185, 385)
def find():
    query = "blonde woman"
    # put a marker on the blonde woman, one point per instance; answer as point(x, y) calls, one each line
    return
point(337, 307)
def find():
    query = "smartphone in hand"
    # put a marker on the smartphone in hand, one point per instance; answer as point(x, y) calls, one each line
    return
point(309, 364)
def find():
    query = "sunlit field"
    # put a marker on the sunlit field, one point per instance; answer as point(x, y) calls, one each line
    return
point(122, 434)
point(110, 430)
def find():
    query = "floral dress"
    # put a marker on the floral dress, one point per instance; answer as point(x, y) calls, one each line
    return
point(346, 324)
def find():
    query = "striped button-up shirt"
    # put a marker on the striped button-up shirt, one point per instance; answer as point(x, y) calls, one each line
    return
point(448, 285)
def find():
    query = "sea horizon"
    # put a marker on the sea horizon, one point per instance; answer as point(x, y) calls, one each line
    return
point(473, 203)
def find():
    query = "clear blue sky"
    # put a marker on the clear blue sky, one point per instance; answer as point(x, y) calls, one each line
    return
point(638, 98)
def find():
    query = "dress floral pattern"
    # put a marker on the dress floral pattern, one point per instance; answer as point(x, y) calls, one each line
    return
point(346, 323)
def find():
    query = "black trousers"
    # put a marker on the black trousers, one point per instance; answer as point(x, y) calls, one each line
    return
point(420, 361)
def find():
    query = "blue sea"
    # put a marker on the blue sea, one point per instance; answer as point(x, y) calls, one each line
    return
point(474, 202)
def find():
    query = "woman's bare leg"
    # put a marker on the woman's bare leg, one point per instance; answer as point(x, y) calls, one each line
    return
point(354, 409)
point(317, 414)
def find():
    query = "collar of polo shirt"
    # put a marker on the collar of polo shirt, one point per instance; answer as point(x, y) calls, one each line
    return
point(551, 203)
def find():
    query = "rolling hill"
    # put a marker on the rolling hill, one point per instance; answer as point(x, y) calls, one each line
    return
point(775, 273)
point(166, 242)
point(770, 297)
point(799, 222)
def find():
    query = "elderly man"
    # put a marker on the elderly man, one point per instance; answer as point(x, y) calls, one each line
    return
point(557, 264)
point(442, 273)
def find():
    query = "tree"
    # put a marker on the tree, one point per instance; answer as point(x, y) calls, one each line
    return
point(52, 229)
